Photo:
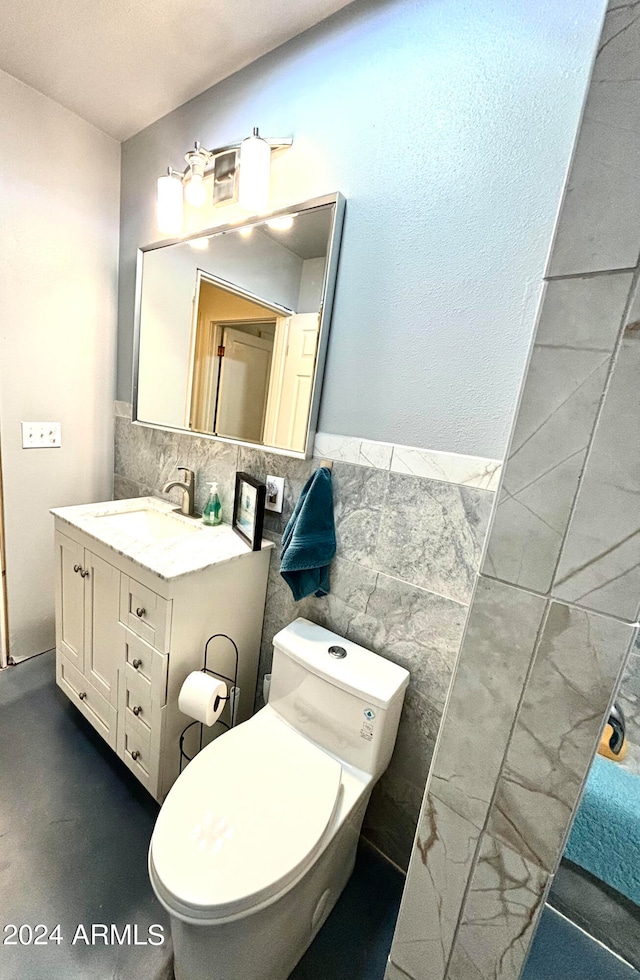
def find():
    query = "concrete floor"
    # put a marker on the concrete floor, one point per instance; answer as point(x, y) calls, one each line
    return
point(75, 828)
point(598, 909)
point(562, 951)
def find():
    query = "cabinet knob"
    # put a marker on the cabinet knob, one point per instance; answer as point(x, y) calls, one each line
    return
point(136, 663)
point(84, 572)
point(140, 611)
point(82, 695)
point(137, 710)
point(77, 568)
point(135, 755)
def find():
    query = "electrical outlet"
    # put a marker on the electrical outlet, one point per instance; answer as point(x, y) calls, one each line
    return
point(41, 435)
point(275, 493)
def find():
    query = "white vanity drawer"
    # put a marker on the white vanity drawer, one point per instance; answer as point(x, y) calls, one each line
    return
point(137, 695)
point(136, 753)
point(140, 731)
point(146, 613)
point(140, 749)
point(137, 735)
point(143, 660)
point(93, 706)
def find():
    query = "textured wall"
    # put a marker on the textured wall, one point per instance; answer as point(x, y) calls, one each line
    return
point(59, 247)
point(408, 551)
point(448, 126)
point(555, 609)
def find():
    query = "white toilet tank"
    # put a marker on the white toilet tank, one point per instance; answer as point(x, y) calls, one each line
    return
point(338, 694)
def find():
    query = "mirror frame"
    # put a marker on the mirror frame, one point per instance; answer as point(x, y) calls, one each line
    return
point(325, 311)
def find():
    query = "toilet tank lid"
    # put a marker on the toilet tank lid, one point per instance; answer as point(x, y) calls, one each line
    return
point(361, 672)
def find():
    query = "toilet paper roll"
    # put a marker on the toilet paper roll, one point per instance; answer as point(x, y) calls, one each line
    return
point(201, 697)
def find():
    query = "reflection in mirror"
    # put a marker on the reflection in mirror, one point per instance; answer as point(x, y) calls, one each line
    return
point(594, 902)
point(232, 327)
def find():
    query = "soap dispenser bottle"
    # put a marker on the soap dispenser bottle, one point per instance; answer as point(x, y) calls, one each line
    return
point(212, 513)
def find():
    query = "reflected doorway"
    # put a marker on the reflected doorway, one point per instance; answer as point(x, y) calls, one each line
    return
point(252, 368)
point(232, 360)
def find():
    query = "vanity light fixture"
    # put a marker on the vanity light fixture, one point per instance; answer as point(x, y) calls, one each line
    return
point(170, 203)
point(241, 168)
point(255, 171)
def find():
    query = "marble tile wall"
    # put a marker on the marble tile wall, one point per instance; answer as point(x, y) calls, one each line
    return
point(555, 608)
point(471, 471)
point(577, 332)
point(408, 549)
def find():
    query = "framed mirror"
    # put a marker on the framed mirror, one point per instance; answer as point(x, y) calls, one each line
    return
point(232, 325)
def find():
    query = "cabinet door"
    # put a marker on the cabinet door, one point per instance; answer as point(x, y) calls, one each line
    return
point(93, 706)
point(69, 600)
point(104, 649)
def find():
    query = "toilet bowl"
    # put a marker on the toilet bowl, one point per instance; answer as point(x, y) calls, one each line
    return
point(257, 838)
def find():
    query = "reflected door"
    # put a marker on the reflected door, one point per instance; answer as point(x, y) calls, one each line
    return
point(288, 412)
point(244, 379)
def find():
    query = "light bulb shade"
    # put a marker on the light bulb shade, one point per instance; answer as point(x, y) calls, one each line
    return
point(195, 190)
point(255, 171)
point(170, 204)
point(200, 244)
point(281, 224)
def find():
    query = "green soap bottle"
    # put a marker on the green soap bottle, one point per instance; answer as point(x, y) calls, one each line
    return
point(212, 513)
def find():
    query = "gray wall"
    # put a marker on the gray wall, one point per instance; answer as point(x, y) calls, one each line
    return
point(448, 126)
point(555, 609)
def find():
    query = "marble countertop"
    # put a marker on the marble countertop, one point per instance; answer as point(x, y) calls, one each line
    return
point(199, 547)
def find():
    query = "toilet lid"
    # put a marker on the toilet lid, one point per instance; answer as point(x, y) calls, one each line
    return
point(243, 819)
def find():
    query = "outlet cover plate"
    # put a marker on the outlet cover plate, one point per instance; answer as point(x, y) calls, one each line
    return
point(275, 493)
point(41, 435)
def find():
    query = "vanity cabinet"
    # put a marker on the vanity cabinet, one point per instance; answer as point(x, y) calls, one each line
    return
point(127, 635)
point(87, 604)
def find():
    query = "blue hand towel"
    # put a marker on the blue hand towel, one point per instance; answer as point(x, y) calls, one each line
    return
point(309, 539)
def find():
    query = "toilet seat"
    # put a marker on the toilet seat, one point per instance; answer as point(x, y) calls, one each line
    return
point(243, 820)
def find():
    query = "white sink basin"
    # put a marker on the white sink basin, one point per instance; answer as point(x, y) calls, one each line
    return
point(149, 525)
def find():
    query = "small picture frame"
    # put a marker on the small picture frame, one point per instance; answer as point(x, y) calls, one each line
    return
point(248, 510)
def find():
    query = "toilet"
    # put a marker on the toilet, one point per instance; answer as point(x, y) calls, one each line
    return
point(257, 837)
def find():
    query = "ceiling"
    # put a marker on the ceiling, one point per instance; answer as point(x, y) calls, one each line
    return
point(122, 64)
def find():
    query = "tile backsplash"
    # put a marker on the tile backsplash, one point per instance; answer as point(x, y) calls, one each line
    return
point(408, 548)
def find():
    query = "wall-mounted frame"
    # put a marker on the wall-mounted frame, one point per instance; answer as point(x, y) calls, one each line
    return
point(251, 263)
point(248, 510)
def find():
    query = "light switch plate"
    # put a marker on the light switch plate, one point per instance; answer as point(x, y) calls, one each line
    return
point(41, 435)
point(275, 493)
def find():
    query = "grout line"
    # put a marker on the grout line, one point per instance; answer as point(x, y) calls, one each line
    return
point(398, 968)
point(552, 598)
point(395, 578)
point(384, 856)
point(613, 361)
point(590, 275)
point(485, 825)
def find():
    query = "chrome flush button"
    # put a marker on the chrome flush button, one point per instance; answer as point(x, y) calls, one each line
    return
point(338, 652)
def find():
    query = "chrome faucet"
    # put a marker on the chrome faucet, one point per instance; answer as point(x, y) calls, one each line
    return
point(188, 491)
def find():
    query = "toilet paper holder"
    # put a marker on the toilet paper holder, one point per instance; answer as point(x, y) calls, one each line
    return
point(232, 697)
